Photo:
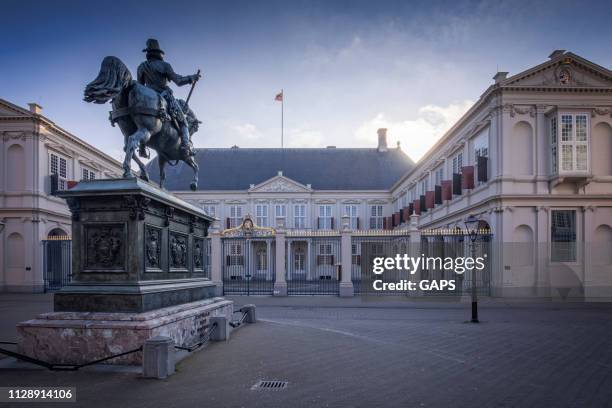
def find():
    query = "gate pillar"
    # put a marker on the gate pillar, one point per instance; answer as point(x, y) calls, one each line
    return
point(415, 240)
point(216, 258)
point(346, 284)
point(280, 284)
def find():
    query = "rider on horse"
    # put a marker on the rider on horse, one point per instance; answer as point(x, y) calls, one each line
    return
point(155, 73)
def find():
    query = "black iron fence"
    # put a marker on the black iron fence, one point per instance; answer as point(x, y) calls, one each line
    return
point(57, 262)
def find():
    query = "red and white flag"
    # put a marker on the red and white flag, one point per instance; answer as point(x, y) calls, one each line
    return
point(279, 97)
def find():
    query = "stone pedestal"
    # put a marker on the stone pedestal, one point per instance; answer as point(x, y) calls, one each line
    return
point(138, 271)
point(80, 337)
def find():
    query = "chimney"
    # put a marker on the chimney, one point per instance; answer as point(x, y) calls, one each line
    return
point(382, 139)
point(500, 76)
point(556, 53)
point(35, 108)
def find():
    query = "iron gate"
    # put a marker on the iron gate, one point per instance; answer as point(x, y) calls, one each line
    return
point(363, 251)
point(57, 262)
point(249, 265)
point(457, 244)
point(313, 265)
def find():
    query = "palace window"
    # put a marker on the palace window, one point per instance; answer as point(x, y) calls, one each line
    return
point(325, 217)
point(210, 210)
point(235, 218)
point(59, 165)
point(280, 211)
point(439, 175)
point(298, 260)
point(424, 185)
point(299, 216)
point(351, 211)
point(569, 135)
point(326, 256)
point(261, 213)
point(482, 151)
point(376, 217)
point(563, 236)
point(457, 163)
point(88, 174)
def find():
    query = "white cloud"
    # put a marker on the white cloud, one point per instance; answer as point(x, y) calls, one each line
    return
point(247, 131)
point(303, 138)
point(416, 135)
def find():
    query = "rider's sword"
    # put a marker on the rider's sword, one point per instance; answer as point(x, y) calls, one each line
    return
point(191, 90)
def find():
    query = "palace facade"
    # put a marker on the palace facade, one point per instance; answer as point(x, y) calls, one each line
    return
point(531, 160)
point(37, 157)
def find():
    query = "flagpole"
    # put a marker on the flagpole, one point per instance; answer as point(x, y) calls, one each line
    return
point(282, 119)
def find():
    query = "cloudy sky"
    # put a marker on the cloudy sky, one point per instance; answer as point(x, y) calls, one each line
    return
point(347, 67)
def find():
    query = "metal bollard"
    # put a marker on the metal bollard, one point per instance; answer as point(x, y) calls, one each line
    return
point(250, 313)
point(158, 357)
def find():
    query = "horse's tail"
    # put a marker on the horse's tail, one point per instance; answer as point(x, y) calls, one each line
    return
point(113, 77)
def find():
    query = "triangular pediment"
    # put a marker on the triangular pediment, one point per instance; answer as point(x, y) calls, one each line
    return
point(9, 109)
point(564, 70)
point(280, 184)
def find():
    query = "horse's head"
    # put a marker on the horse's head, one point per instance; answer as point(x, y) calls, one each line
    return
point(192, 121)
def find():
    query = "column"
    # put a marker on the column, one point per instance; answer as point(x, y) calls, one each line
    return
point(346, 284)
point(268, 261)
point(216, 258)
point(280, 286)
point(541, 254)
point(307, 263)
point(542, 151)
point(585, 256)
point(415, 243)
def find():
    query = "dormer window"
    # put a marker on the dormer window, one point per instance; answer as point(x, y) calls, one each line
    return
point(569, 136)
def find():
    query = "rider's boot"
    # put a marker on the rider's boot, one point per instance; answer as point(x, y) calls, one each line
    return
point(185, 145)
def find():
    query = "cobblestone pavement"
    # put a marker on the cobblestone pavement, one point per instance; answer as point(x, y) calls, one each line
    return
point(358, 354)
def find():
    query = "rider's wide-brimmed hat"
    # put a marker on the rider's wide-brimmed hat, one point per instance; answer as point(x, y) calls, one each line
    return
point(153, 45)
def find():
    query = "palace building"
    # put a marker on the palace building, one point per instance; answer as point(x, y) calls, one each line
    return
point(37, 157)
point(531, 160)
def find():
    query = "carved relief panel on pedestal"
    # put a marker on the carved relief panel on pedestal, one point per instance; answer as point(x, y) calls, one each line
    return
point(105, 246)
point(153, 243)
point(178, 248)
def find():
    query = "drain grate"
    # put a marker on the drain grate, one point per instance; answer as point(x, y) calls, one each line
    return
point(269, 385)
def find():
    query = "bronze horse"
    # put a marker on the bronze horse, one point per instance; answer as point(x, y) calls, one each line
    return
point(141, 114)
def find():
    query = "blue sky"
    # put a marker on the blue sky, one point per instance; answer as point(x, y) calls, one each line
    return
point(347, 67)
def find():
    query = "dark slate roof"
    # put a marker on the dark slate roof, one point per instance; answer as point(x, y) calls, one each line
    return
point(323, 169)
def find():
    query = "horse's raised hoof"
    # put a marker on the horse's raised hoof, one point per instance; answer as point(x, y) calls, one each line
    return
point(193, 186)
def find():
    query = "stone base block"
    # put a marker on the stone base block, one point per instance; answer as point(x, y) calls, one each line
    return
point(346, 289)
point(280, 289)
point(80, 337)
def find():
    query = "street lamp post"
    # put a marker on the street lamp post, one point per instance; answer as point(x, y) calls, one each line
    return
point(471, 225)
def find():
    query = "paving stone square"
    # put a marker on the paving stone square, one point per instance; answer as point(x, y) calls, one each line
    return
point(352, 353)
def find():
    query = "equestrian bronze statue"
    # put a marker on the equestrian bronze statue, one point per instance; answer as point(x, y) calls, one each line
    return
point(147, 112)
